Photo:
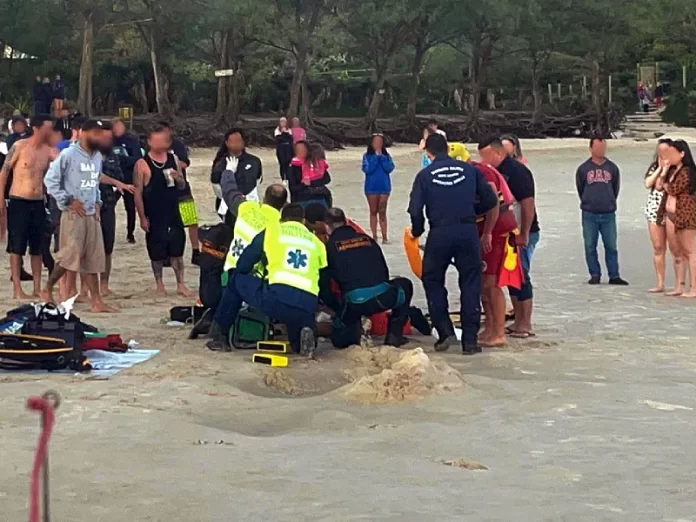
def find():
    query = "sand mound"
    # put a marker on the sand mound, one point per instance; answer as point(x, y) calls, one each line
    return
point(386, 375)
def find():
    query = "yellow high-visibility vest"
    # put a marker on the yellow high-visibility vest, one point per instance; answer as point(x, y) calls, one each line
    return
point(295, 256)
point(252, 219)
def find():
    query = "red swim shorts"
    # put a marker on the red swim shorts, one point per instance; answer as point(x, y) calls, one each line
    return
point(494, 259)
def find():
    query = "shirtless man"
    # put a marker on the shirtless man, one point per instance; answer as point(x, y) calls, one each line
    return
point(28, 160)
point(158, 185)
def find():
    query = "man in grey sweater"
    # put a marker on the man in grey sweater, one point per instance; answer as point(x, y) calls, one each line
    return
point(598, 182)
point(73, 181)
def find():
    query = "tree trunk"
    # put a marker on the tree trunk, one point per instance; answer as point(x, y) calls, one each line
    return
point(297, 77)
point(418, 60)
point(84, 99)
point(306, 100)
point(536, 93)
point(164, 107)
point(481, 56)
point(373, 110)
point(223, 81)
point(597, 94)
point(234, 106)
point(142, 96)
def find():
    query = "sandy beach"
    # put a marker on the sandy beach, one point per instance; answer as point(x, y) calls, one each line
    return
point(591, 420)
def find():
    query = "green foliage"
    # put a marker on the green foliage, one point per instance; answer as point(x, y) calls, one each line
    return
point(347, 48)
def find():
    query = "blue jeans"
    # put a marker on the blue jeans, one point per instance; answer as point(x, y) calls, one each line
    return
point(592, 226)
point(244, 288)
point(527, 291)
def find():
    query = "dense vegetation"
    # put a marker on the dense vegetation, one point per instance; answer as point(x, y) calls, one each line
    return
point(365, 58)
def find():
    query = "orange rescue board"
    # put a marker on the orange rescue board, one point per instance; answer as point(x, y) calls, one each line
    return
point(413, 253)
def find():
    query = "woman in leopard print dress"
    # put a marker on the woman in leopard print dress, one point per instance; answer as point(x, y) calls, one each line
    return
point(679, 207)
point(657, 229)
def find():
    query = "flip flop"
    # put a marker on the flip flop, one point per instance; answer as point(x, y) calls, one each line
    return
point(521, 335)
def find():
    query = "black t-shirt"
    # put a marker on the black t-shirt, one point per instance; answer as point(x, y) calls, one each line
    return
point(521, 182)
point(355, 260)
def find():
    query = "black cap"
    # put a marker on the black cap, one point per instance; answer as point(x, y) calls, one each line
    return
point(95, 124)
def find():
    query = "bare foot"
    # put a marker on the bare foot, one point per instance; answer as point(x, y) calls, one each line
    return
point(495, 342)
point(689, 295)
point(47, 297)
point(82, 298)
point(658, 290)
point(385, 241)
point(103, 308)
point(675, 293)
point(185, 292)
point(105, 291)
point(160, 292)
point(21, 295)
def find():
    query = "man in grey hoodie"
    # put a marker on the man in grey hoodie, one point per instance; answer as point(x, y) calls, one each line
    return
point(73, 181)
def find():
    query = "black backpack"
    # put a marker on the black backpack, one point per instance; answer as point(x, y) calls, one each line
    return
point(31, 352)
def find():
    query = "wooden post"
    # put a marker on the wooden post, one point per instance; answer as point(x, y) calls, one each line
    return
point(570, 89)
point(559, 91)
point(610, 89)
point(584, 86)
point(550, 93)
point(684, 76)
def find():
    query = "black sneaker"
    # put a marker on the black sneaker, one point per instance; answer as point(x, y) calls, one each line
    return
point(444, 344)
point(594, 280)
point(131, 239)
point(617, 281)
point(471, 349)
point(219, 343)
point(196, 258)
point(308, 342)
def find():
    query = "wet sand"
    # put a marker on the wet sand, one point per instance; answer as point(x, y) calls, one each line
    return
point(591, 420)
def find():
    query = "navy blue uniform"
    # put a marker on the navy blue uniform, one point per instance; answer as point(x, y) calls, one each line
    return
point(448, 190)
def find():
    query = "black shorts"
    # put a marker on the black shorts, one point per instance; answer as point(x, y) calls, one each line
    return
point(165, 241)
point(26, 223)
point(108, 227)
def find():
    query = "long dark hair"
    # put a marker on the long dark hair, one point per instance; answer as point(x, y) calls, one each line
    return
point(656, 158)
point(687, 162)
point(515, 143)
point(371, 149)
point(222, 151)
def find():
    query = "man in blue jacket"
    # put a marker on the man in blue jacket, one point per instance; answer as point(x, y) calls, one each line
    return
point(127, 147)
point(452, 193)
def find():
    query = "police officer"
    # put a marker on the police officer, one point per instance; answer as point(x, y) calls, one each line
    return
point(452, 193)
point(363, 292)
point(293, 257)
point(252, 219)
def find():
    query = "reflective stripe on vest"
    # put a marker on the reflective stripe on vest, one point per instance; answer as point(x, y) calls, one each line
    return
point(295, 256)
point(252, 219)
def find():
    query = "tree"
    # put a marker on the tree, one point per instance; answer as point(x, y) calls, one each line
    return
point(482, 28)
point(296, 22)
point(543, 28)
point(227, 44)
point(380, 29)
point(432, 27)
